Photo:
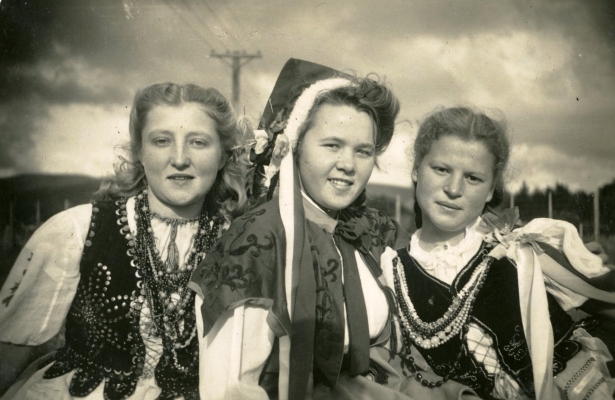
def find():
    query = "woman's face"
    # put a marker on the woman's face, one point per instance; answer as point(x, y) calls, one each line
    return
point(182, 154)
point(337, 156)
point(454, 181)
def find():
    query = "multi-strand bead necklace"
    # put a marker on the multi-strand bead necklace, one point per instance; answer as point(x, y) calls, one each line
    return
point(173, 318)
point(429, 335)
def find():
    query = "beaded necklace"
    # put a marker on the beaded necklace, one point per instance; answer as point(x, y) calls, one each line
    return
point(172, 262)
point(165, 286)
point(429, 335)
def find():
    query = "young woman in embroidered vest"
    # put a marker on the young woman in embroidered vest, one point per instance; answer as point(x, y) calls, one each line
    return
point(482, 301)
point(291, 299)
point(115, 272)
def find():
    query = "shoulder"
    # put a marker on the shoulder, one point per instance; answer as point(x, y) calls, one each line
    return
point(71, 224)
point(244, 264)
point(250, 245)
point(77, 213)
point(258, 221)
point(383, 228)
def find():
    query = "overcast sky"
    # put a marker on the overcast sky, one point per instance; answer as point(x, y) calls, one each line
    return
point(69, 69)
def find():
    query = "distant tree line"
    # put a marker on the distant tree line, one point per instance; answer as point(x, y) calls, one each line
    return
point(574, 207)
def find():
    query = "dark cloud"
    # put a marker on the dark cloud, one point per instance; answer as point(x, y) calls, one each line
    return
point(43, 45)
point(63, 52)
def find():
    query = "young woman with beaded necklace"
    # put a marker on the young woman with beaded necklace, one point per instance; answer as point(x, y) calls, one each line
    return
point(481, 300)
point(116, 271)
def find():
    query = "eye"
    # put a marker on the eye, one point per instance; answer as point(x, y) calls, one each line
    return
point(474, 179)
point(366, 152)
point(161, 142)
point(439, 170)
point(199, 143)
point(333, 146)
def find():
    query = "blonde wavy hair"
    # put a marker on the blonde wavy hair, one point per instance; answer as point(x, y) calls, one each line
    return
point(228, 194)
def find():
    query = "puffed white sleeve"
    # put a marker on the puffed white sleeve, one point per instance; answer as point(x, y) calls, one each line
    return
point(40, 288)
point(234, 352)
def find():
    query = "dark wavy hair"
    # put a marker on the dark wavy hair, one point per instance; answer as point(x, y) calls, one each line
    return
point(470, 125)
point(368, 95)
point(228, 193)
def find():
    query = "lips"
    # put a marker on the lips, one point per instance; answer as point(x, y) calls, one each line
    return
point(180, 177)
point(449, 206)
point(343, 183)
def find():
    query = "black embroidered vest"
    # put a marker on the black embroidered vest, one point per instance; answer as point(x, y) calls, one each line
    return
point(103, 340)
point(497, 312)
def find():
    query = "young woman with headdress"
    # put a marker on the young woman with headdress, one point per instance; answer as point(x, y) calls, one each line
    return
point(115, 272)
point(291, 298)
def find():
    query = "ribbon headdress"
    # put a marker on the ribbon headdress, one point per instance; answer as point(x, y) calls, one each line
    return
point(300, 82)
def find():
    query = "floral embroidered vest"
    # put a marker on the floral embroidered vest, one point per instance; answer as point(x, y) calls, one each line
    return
point(496, 311)
point(103, 341)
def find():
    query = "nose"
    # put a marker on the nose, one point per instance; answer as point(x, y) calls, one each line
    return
point(180, 158)
point(346, 161)
point(454, 186)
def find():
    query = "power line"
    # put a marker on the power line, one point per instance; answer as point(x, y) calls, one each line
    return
point(200, 19)
point(187, 23)
point(234, 17)
point(224, 27)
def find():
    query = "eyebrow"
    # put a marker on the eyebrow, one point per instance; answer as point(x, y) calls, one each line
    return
point(191, 133)
point(337, 139)
point(447, 165)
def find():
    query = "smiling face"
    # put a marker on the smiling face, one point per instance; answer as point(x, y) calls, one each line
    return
point(181, 154)
point(454, 181)
point(337, 156)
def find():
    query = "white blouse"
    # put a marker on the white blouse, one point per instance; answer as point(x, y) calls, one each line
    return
point(40, 288)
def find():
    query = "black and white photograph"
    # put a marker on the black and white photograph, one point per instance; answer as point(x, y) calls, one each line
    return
point(238, 199)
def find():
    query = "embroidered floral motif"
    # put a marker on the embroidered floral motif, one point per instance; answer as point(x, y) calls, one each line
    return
point(234, 277)
point(329, 274)
point(324, 309)
point(248, 218)
point(363, 236)
point(516, 347)
point(253, 243)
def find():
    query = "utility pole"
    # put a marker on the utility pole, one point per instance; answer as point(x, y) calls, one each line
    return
point(238, 59)
point(597, 214)
point(398, 207)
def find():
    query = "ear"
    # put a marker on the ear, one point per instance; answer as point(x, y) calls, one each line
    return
point(490, 195)
point(414, 175)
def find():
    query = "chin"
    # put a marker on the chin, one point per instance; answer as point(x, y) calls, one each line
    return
point(337, 206)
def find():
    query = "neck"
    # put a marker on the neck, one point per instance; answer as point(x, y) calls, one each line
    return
point(432, 237)
point(189, 211)
point(331, 213)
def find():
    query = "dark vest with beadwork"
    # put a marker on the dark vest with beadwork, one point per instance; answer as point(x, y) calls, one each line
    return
point(497, 312)
point(103, 341)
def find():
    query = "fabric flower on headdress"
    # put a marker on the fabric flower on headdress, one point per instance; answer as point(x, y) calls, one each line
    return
point(499, 228)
